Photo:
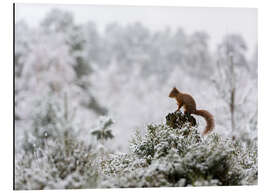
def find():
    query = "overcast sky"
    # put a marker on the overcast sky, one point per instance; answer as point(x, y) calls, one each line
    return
point(217, 22)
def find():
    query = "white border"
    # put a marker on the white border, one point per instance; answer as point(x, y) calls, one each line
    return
point(183, 3)
point(6, 80)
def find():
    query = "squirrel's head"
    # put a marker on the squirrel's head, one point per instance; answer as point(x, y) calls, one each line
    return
point(173, 92)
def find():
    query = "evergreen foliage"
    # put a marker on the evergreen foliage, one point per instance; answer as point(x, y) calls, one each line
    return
point(53, 155)
point(180, 156)
point(102, 132)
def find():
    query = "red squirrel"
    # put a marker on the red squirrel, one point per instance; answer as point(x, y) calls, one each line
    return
point(189, 105)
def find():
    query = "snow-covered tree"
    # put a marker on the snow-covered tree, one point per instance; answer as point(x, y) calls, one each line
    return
point(198, 55)
point(235, 85)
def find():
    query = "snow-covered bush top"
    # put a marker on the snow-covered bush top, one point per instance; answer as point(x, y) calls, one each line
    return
point(168, 156)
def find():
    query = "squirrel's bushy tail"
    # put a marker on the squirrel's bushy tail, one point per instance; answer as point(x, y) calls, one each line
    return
point(210, 123)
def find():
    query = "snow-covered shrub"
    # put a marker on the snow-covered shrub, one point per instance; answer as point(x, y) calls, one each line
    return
point(52, 118)
point(101, 131)
point(57, 166)
point(54, 153)
point(180, 156)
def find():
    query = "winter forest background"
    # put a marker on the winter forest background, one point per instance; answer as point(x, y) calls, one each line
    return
point(84, 98)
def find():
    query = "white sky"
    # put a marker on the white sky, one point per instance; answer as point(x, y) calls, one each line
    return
point(217, 22)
